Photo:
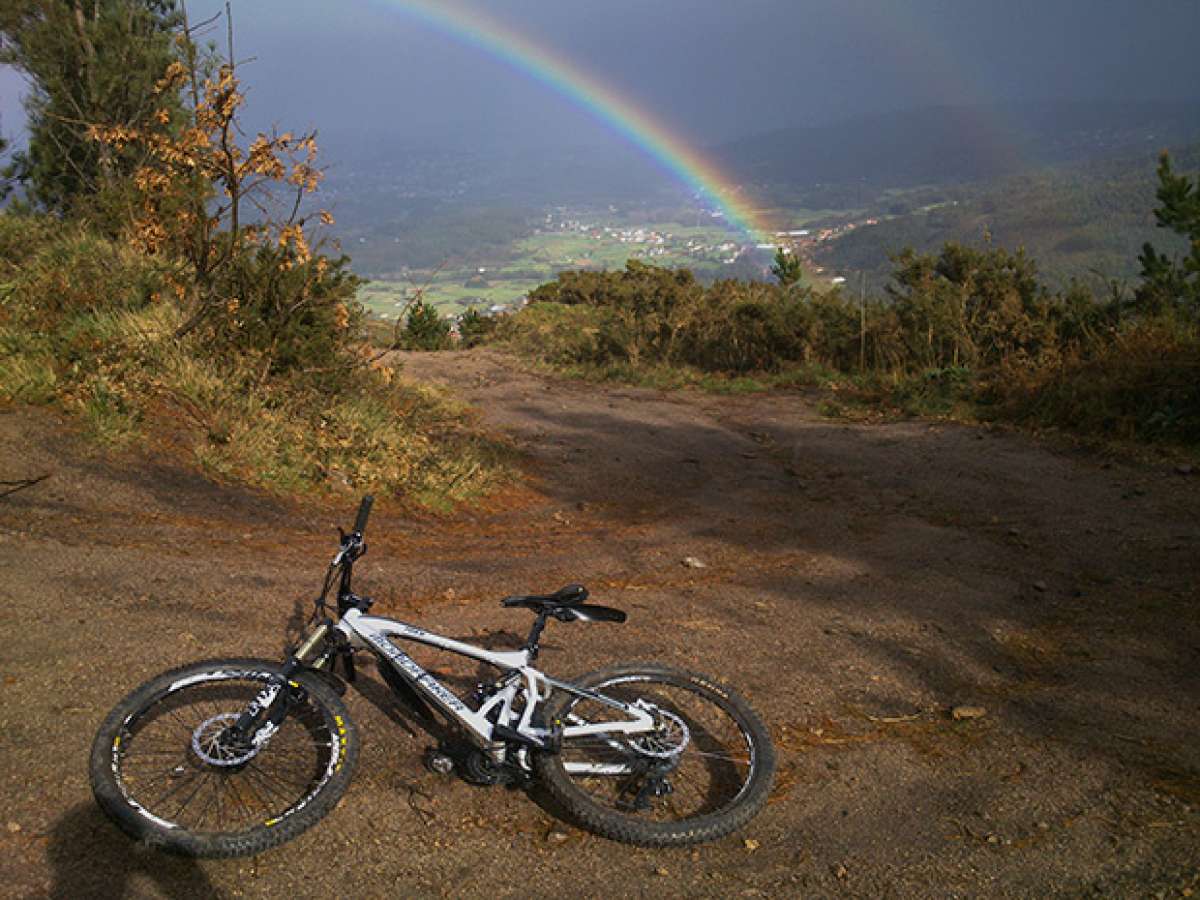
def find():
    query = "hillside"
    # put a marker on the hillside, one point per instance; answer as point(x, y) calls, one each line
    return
point(1086, 221)
point(955, 143)
point(1074, 183)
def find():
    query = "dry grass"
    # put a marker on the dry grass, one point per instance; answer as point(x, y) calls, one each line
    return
point(1143, 384)
point(129, 380)
point(86, 323)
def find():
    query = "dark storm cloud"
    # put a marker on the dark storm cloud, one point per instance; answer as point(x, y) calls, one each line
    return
point(710, 69)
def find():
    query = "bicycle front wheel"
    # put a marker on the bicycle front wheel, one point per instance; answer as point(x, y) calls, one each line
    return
point(703, 773)
point(165, 770)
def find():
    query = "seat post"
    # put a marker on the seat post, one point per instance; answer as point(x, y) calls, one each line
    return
point(531, 643)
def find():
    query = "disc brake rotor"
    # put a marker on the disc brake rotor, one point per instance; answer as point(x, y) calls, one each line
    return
point(667, 741)
point(211, 742)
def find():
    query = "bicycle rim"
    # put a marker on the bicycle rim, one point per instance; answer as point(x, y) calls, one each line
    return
point(674, 776)
point(169, 763)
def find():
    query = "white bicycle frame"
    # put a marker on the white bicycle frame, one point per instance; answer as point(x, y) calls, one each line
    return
point(521, 680)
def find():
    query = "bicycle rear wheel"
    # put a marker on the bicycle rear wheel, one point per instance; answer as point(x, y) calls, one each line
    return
point(163, 768)
point(704, 773)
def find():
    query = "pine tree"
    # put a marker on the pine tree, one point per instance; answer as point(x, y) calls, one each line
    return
point(89, 64)
point(787, 267)
point(425, 329)
point(1173, 283)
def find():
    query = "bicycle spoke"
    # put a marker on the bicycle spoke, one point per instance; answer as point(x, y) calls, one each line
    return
point(192, 795)
point(177, 786)
point(254, 776)
point(285, 776)
point(695, 762)
point(248, 784)
point(214, 794)
point(177, 763)
point(233, 791)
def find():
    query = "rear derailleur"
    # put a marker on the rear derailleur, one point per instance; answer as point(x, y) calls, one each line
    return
point(652, 784)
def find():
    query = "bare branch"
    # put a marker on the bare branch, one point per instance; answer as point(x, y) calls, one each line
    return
point(229, 35)
point(21, 484)
point(200, 26)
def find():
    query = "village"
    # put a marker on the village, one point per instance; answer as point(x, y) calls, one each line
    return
point(655, 241)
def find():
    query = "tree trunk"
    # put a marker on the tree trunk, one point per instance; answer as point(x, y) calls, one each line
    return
point(89, 80)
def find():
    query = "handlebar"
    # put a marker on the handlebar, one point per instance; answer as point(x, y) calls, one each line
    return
point(341, 568)
point(353, 545)
point(364, 511)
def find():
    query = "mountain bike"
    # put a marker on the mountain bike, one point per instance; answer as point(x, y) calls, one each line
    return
point(230, 757)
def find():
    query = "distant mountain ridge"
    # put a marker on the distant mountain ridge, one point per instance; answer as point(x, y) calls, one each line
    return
point(942, 143)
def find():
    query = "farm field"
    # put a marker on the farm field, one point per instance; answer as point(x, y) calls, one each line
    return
point(574, 239)
point(536, 259)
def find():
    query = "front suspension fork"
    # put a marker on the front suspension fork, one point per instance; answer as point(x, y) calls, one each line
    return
point(266, 712)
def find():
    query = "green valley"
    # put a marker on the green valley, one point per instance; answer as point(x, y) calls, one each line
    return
point(563, 242)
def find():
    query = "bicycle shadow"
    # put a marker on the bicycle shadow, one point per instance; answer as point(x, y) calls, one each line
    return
point(400, 704)
point(90, 857)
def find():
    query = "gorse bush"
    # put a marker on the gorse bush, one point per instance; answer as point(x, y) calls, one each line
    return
point(297, 317)
point(77, 271)
point(21, 237)
point(964, 307)
point(646, 315)
point(968, 307)
point(562, 336)
point(1143, 383)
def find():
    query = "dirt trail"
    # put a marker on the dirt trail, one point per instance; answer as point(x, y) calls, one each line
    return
point(859, 582)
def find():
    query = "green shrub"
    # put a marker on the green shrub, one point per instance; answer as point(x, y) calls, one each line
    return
point(736, 327)
point(295, 315)
point(27, 371)
point(475, 328)
point(56, 274)
point(970, 307)
point(553, 333)
point(22, 236)
point(424, 329)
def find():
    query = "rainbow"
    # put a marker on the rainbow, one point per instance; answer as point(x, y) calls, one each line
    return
point(475, 28)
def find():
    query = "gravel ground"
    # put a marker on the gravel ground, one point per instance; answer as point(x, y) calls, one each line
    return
point(859, 582)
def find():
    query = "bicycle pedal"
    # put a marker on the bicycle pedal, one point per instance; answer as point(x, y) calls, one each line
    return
point(439, 763)
point(478, 769)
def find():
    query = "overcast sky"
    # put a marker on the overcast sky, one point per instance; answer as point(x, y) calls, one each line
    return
point(710, 70)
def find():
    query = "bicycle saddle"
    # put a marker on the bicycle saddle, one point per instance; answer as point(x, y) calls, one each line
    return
point(566, 604)
point(564, 596)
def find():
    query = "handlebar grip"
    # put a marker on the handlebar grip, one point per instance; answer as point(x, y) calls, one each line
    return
point(364, 510)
